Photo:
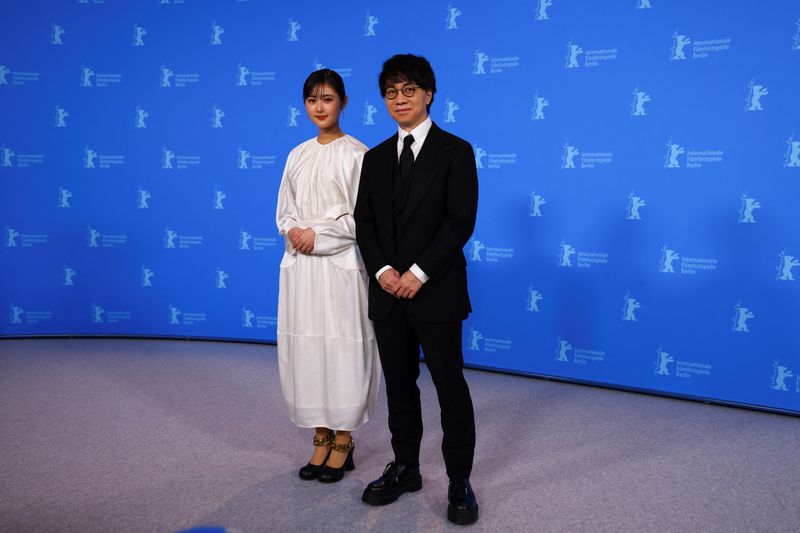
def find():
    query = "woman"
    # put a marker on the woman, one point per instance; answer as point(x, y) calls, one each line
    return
point(327, 355)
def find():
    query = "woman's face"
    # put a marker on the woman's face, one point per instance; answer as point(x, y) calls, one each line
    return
point(323, 106)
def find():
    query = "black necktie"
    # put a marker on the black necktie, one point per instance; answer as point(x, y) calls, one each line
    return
point(401, 185)
point(406, 160)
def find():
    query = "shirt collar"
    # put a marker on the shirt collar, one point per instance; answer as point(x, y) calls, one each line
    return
point(419, 133)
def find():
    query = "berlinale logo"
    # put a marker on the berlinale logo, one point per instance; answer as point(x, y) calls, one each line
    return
point(16, 315)
point(792, 158)
point(58, 31)
point(662, 362)
point(639, 99)
point(474, 339)
point(746, 210)
point(241, 75)
point(537, 201)
point(541, 9)
point(475, 250)
point(91, 238)
point(565, 257)
point(534, 297)
point(8, 153)
point(450, 110)
point(147, 277)
point(219, 196)
point(478, 66)
point(480, 153)
point(452, 14)
point(138, 35)
point(787, 263)
point(11, 237)
point(222, 276)
point(166, 76)
point(369, 26)
point(754, 94)
point(291, 120)
point(97, 314)
point(679, 43)
point(61, 117)
point(569, 155)
point(573, 51)
point(217, 115)
point(629, 308)
point(779, 375)
point(668, 257)
point(69, 277)
point(562, 350)
point(86, 76)
point(247, 318)
point(167, 158)
point(144, 197)
point(89, 157)
point(63, 197)
point(673, 151)
point(294, 27)
point(216, 34)
point(369, 114)
point(141, 115)
point(741, 316)
point(169, 238)
point(539, 103)
point(634, 204)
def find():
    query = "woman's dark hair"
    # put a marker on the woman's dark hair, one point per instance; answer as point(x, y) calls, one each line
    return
point(410, 68)
point(324, 76)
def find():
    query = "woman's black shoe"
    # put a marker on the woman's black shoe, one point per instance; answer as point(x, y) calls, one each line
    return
point(312, 471)
point(329, 474)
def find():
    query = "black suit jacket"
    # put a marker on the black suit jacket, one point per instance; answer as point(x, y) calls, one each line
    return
point(436, 223)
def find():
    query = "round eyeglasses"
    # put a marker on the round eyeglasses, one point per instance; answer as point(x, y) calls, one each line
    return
point(407, 90)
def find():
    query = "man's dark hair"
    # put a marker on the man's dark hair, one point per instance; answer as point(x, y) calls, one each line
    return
point(410, 68)
point(324, 76)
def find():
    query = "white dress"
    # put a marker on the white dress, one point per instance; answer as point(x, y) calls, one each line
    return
point(327, 354)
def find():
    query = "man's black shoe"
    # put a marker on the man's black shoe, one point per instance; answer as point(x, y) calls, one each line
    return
point(462, 508)
point(397, 478)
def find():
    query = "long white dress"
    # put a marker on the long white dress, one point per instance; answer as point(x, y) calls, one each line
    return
point(327, 354)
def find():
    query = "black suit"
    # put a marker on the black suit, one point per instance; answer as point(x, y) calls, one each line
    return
point(435, 221)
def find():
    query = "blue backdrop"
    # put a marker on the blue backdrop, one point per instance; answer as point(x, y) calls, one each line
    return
point(638, 165)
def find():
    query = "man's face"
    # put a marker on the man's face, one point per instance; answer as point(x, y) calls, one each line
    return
point(408, 111)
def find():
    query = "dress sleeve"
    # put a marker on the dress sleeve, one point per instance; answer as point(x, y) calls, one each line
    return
point(337, 232)
point(286, 212)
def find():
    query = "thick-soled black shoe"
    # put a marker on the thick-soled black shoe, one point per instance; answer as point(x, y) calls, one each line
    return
point(328, 474)
point(462, 508)
point(397, 478)
point(312, 471)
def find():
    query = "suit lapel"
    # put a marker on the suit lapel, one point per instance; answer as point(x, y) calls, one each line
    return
point(428, 161)
point(388, 161)
point(382, 186)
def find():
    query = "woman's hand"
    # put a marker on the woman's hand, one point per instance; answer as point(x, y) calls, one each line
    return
point(305, 241)
point(293, 235)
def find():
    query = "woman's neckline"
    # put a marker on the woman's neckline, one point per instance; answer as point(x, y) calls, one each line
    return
point(331, 141)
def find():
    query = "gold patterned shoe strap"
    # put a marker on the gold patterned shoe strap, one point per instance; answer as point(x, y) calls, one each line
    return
point(324, 441)
point(343, 448)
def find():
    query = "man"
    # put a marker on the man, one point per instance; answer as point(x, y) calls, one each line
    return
point(416, 208)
